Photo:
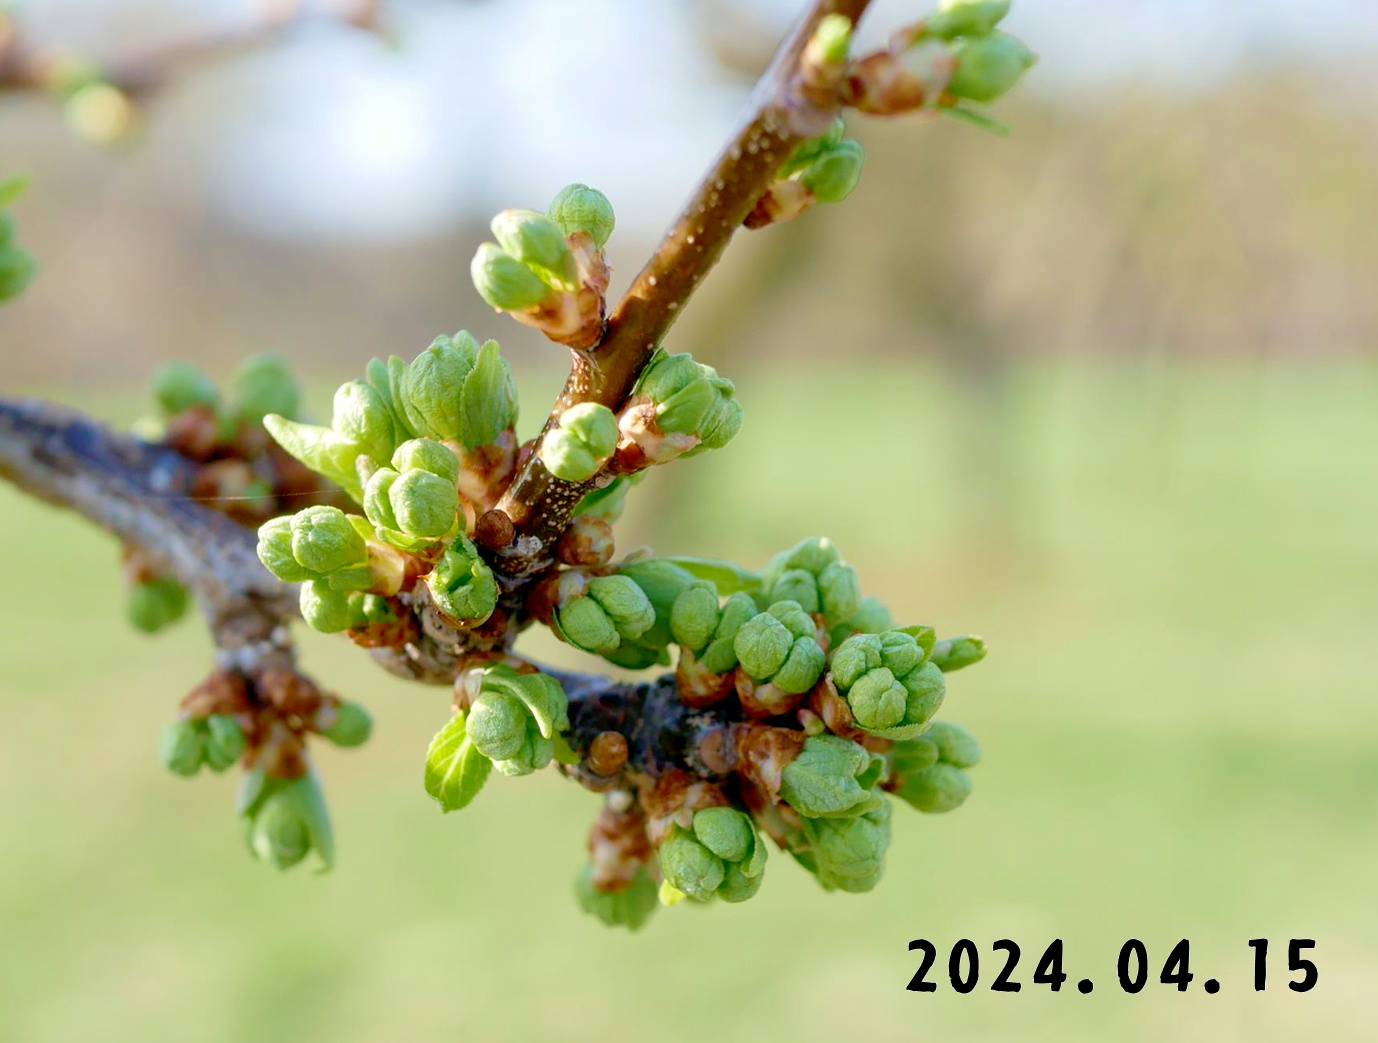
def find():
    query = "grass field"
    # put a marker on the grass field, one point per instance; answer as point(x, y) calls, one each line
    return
point(1178, 572)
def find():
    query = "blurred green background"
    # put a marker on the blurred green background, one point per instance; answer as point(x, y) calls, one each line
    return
point(1104, 392)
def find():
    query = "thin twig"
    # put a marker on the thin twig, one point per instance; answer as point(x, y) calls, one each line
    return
point(779, 117)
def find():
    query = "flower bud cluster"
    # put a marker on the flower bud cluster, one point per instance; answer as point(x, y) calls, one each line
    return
point(580, 442)
point(889, 682)
point(679, 408)
point(821, 170)
point(513, 717)
point(954, 57)
point(216, 741)
point(719, 856)
point(548, 270)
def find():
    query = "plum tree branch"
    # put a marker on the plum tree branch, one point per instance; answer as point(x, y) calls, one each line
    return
point(782, 113)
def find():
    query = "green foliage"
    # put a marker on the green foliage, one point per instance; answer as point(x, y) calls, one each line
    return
point(631, 907)
point(285, 820)
point(455, 769)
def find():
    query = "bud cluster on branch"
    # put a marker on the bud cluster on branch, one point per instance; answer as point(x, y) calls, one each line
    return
point(791, 708)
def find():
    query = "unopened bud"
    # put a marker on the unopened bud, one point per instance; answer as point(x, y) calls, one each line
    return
point(578, 208)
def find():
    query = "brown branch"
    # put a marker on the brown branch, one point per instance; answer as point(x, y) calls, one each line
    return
point(25, 68)
point(783, 113)
point(141, 493)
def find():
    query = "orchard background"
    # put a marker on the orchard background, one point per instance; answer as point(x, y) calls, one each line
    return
point(1136, 339)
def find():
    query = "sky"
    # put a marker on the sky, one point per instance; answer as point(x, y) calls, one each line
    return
point(490, 103)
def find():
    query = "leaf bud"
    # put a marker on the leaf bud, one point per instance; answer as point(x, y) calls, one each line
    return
point(988, 66)
point(488, 398)
point(504, 282)
point(429, 391)
point(180, 385)
point(224, 741)
point(580, 443)
point(181, 747)
point(287, 820)
point(578, 208)
point(352, 725)
point(324, 540)
point(156, 603)
point(537, 242)
point(954, 653)
point(462, 584)
point(966, 17)
point(832, 777)
point(264, 384)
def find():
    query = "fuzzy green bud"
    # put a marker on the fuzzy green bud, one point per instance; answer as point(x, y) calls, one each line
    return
point(691, 399)
point(779, 645)
point(956, 745)
point(694, 615)
point(931, 768)
point(954, 653)
point(537, 242)
point(630, 907)
point(224, 741)
point(181, 747)
point(514, 718)
point(462, 584)
point(488, 398)
point(832, 777)
point(324, 540)
point(326, 609)
point(424, 504)
point(351, 727)
point(967, 17)
point(180, 385)
point(941, 788)
point(721, 855)
point(848, 854)
point(156, 603)
point(275, 551)
point(578, 208)
point(504, 282)
point(721, 654)
point(264, 384)
point(886, 679)
point(286, 820)
point(613, 608)
point(832, 175)
point(988, 66)
point(17, 269)
point(361, 417)
point(426, 454)
point(430, 390)
point(580, 443)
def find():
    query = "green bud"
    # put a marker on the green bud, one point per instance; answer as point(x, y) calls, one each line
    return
point(537, 242)
point(687, 409)
point(584, 624)
point(721, 654)
point(351, 727)
point(630, 908)
point(892, 690)
point(430, 393)
point(504, 282)
point(943, 787)
point(180, 385)
point(156, 603)
point(689, 866)
point(839, 592)
point(264, 384)
point(378, 375)
point(953, 653)
point(812, 555)
point(361, 417)
point(378, 502)
point(967, 17)
point(834, 174)
point(324, 541)
point(608, 502)
point(779, 646)
point(576, 448)
point(988, 66)
point(326, 609)
point(17, 269)
point(426, 454)
point(694, 616)
point(489, 398)
point(462, 584)
point(424, 504)
point(224, 741)
point(955, 745)
point(877, 700)
point(797, 585)
point(625, 603)
point(913, 756)
point(726, 832)
point(848, 854)
point(762, 645)
point(578, 208)
point(723, 421)
point(721, 855)
point(181, 747)
point(287, 820)
point(832, 777)
point(830, 40)
point(455, 769)
point(275, 551)
point(498, 725)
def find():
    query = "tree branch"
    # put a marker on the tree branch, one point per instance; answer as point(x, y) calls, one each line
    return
point(780, 116)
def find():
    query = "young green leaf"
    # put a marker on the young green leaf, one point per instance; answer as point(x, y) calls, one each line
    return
point(455, 770)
